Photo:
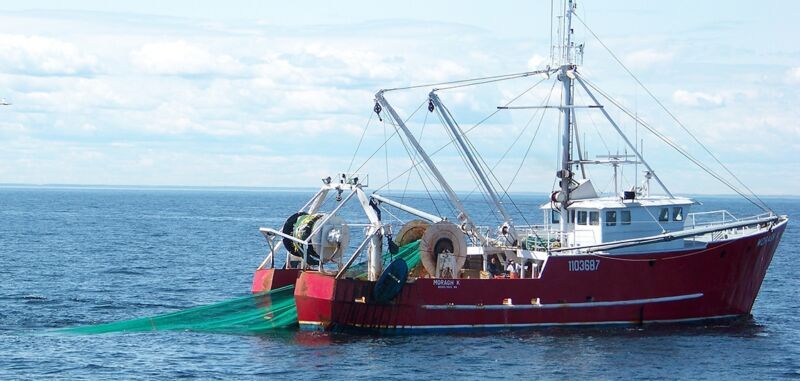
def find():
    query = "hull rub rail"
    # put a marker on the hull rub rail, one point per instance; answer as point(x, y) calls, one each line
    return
point(561, 305)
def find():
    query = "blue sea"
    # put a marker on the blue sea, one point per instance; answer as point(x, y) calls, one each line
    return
point(80, 256)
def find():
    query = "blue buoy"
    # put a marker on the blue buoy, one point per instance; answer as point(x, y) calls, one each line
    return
point(391, 281)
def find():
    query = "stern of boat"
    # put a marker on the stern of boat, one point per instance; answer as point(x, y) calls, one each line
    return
point(270, 279)
point(313, 295)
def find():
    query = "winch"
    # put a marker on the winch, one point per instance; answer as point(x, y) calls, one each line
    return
point(330, 236)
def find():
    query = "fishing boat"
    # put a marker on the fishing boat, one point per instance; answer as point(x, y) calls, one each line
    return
point(636, 255)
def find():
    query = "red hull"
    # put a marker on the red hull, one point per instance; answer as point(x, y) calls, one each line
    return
point(270, 279)
point(719, 281)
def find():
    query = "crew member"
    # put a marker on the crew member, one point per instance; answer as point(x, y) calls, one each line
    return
point(494, 267)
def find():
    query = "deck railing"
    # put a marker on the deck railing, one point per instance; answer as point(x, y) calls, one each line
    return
point(710, 218)
point(723, 216)
point(545, 237)
point(718, 217)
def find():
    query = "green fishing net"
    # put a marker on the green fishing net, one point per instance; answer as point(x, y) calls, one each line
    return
point(409, 252)
point(250, 314)
point(538, 243)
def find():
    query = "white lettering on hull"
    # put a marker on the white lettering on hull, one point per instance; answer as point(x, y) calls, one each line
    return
point(763, 241)
point(446, 283)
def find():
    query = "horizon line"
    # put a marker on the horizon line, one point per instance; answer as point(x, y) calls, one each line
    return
point(289, 188)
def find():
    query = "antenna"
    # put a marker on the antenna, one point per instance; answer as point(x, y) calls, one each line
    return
point(563, 50)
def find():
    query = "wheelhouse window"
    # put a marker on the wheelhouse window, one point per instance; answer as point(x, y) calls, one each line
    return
point(572, 216)
point(594, 218)
point(555, 216)
point(663, 216)
point(611, 218)
point(625, 216)
point(677, 213)
point(582, 217)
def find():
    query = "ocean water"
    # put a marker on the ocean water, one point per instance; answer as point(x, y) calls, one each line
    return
point(85, 256)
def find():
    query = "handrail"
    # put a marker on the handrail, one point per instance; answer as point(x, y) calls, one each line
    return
point(725, 217)
point(356, 253)
point(319, 225)
point(282, 234)
point(666, 236)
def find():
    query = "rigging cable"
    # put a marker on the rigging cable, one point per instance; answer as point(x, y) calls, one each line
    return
point(387, 140)
point(474, 84)
point(519, 136)
point(473, 173)
point(597, 130)
point(408, 151)
point(413, 159)
point(495, 78)
point(386, 153)
point(385, 209)
point(586, 144)
point(676, 147)
point(763, 205)
point(465, 132)
point(364, 132)
point(528, 150)
point(551, 31)
point(483, 163)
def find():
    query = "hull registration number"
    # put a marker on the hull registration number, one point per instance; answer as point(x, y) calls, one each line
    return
point(584, 265)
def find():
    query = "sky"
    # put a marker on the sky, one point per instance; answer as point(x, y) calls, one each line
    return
point(278, 94)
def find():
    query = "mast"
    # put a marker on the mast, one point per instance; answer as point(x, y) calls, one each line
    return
point(566, 76)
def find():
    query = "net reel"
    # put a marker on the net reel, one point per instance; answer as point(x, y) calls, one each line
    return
point(443, 242)
point(411, 231)
point(332, 237)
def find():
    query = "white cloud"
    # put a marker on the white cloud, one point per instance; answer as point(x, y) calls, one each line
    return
point(793, 74)
point(36, 55)
point(321, 66)
point(647, 57)
point(356, 62)
point(182, 58)
point(537, 62)
point(235, 96)
point(697, 99)
point(706, 100)
point(442, 70)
